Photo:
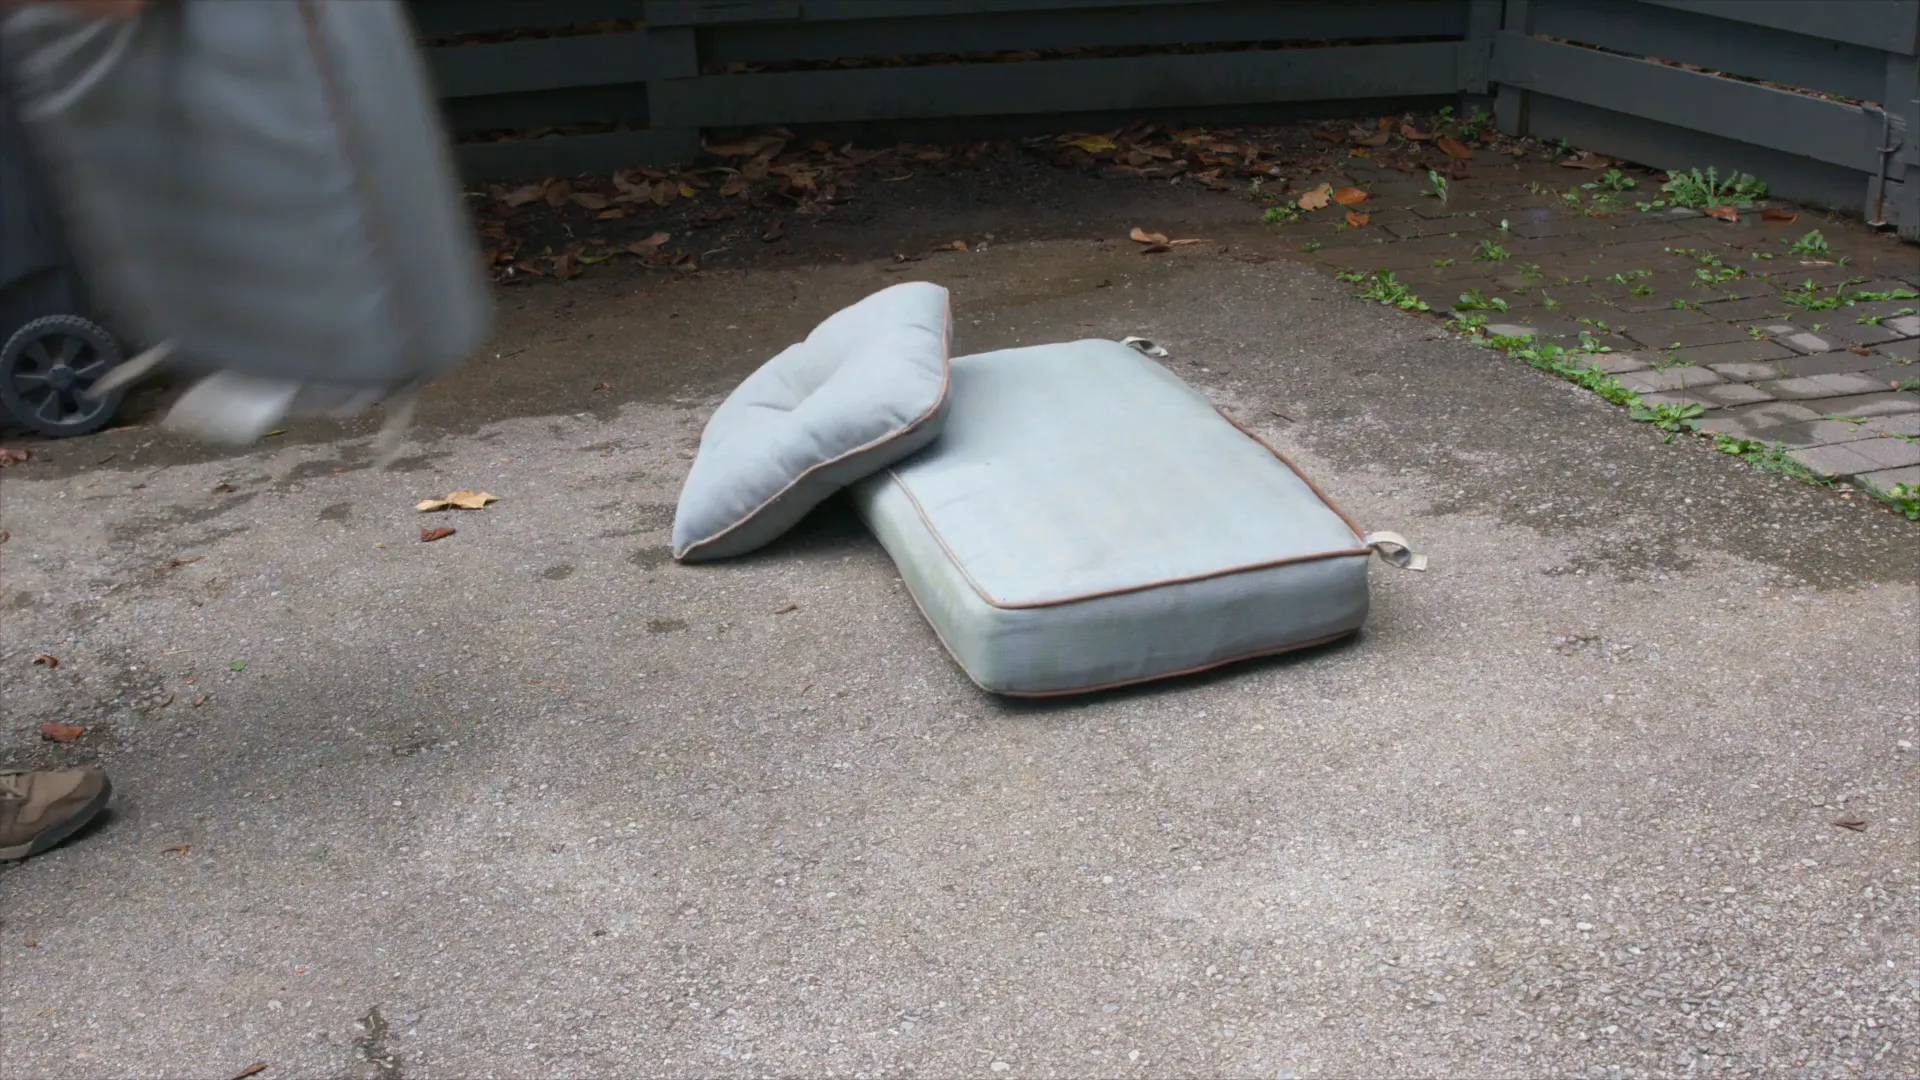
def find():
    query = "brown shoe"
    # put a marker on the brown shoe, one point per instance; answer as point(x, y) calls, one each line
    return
point(40, 809)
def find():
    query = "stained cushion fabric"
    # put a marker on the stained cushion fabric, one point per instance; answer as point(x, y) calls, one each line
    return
point(1087, 520)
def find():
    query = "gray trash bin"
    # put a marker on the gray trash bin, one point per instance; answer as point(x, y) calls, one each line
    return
point(51, 351)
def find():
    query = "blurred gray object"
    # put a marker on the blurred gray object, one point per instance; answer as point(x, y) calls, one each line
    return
point(51, 351)
point(264, 189)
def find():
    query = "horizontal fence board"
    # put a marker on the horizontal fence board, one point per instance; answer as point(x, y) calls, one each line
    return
point(445, 18)
point(1777, 119)
point(623, 104)
point(570, 154)
point(555, 63)
point(1887, 25)
point(1242, 20)
point(1039, 86)
point(1758, 52)
point(1664, 146)
point(712, 12)
point(720, 12)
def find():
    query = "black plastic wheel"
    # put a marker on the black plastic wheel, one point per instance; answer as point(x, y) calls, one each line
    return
point(44, 369)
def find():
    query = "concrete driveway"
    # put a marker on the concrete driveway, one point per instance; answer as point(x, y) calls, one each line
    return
point(532, 800)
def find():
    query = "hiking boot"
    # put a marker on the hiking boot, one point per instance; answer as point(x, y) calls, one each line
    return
point(40, 809)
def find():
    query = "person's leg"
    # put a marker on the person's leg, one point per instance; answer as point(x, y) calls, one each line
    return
point(40, 809)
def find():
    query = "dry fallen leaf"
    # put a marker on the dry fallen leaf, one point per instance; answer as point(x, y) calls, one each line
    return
point(1453, 148)
point(1380, 137)
point(1357, 219)
point(787, 609)
point(254, 1069)
point(567, 266)
point(779, 230)
point(733, 187)
point(1349, 196)
point(1723, 213)
point(1154, 249)
point(1851, 821)
point(1413, 134)
point(62, 733)
point(525, 195)
point(1778, 213)
point(199, 701)
point(1140, 235)
point(557, 192)
point(428, 536)
point(587, 200)
point(958, 245)
point(222, 489)
point(1190, 240)
point(177, 563)
point(1586, 159)
point(10, 456)
point(463, 500)
point(1316, 199)
point(1327, 136)
point(180, 849)
point(650, 245)
point(1092, 144)
point(46, 660)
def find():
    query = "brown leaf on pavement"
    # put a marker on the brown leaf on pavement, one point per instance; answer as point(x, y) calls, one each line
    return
point(179, 561)
point(10, 456)
point(557, 193)
point(1723, 213)
point(1413, 134)
point(47, 660)
point(222, 489)
point(1189, 240)
point(650, 245)
point(1349, 196)
point(463, 500)
point(61, 733)
point(1142, 236)
point(254, 1069)
point(786, 610)
point(1851, 821)
point(957, 245)
point(428, 536)
point(587, 200)
point(1453, 148)
point(1092, 144)
point(567, 265)
point(1380, 137)
point(1154, 249)
point(1586, 159)
point(1778, 213)
point(1316, 199)
point(1357, 219)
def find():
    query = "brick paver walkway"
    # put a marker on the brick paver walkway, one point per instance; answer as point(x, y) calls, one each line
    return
point(1781, 348)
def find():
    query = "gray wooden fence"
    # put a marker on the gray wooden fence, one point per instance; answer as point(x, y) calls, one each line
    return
point(1819, 97)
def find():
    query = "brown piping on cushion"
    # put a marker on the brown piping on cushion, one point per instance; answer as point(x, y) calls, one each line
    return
point(946, 383)
point(1358, 532)
point(1361, 552)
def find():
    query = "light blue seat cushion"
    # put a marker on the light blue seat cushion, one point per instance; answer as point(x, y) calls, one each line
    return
point(1087, 520)
point(865, 389)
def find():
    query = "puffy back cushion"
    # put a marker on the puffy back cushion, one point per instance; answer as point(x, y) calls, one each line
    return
point(865, 389)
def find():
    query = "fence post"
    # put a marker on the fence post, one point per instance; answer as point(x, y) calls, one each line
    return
point(1902, 102)
point(682, 43)
point(1483, 22)
point(1511, 103)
